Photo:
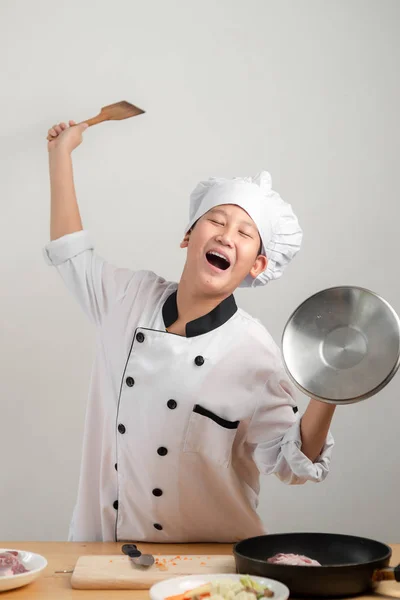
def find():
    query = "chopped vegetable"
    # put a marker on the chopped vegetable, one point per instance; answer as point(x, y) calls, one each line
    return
point(227, 589)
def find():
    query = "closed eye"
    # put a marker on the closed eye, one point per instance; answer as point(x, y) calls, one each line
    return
point(245, 234)
point(216, 222)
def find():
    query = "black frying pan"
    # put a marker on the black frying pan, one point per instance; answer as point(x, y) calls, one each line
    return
point(349, 565)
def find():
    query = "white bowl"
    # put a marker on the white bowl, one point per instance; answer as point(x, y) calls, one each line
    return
point(31, 561)
point(179, 585)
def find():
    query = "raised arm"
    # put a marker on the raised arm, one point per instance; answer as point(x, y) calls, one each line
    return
point(95, 283)
point(65, 217)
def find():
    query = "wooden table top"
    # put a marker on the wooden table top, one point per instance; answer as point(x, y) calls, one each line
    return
point(63, 556)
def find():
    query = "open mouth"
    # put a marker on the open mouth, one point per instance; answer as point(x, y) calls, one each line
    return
point(217, 260)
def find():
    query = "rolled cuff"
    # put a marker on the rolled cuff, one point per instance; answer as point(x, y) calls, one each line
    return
point(66, 247)
point(284, 458)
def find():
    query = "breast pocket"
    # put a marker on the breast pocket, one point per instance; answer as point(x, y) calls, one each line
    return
point(210, 436)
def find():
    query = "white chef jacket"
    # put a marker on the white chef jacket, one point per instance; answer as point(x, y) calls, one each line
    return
point(178, 429)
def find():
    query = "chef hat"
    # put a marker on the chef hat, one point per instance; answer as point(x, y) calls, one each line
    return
point(277, 224)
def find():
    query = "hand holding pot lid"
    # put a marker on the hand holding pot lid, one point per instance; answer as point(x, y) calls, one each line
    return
point(342, 345)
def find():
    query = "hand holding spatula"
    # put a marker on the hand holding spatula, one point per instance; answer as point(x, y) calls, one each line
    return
point(112, 112)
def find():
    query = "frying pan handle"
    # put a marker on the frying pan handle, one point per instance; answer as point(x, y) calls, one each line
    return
point(388, 574)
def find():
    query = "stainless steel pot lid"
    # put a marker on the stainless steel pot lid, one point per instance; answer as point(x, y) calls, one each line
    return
point(342, 345)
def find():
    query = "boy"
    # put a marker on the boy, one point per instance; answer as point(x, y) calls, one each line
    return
point(189, 400)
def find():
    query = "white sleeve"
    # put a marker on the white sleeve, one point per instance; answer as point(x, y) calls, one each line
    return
point(274, 432)
point(96, 284)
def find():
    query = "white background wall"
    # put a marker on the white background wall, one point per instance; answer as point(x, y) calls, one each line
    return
point(307, 90)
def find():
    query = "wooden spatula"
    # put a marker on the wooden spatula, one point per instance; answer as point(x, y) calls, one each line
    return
point(113, 112)
point(116, 112)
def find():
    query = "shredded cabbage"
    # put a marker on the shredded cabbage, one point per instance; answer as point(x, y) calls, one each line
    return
point(232, 589)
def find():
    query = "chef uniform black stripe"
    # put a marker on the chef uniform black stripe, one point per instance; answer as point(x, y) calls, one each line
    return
point(119, 401)
point(200, 410)
point(116, 425)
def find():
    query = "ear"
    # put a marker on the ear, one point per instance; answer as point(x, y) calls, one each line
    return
point(260, 264)
point(185, 242)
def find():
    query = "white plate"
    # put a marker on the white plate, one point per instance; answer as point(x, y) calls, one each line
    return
point(179, 585)
point(33, 562)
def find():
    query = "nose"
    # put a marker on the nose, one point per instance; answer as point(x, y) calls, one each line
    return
point(225, 238)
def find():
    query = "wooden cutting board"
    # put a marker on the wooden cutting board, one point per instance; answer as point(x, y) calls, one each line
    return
point(119, 573)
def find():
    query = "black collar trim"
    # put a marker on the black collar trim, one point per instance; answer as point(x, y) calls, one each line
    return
point(217, 317)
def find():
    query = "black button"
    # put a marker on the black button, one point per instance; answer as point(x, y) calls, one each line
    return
point(157, 492)
point(130, 382)
point(121, 428)
point(172, 404)
point(162, 451)
point(140, 337)
point(158, 526)
point(115, 505)
point(199, 360)
point(295, 409)
point(116, 467)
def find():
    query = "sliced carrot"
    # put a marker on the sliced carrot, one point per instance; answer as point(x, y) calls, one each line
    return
point(186, 596)
point(178, 597)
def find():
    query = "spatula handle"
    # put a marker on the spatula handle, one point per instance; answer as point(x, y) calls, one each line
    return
point(94, 120)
